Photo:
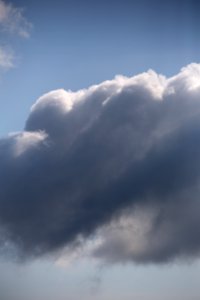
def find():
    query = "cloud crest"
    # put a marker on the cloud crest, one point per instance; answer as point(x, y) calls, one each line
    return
point(96, 159)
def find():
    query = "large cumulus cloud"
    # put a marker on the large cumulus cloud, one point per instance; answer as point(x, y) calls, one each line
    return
point(88, 161)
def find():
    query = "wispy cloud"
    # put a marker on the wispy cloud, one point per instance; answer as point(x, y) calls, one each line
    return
point(12, 23)
point(12, 20)
point(6, 58)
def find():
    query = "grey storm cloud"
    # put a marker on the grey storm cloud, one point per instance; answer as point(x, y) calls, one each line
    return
point(119, 160)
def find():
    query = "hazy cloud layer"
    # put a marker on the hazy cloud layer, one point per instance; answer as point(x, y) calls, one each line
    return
point(119, 160)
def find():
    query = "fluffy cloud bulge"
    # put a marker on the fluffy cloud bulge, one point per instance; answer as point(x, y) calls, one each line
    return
point(119, 161)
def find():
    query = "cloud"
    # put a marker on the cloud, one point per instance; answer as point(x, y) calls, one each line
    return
point(6, 58)
point(118, 161)
point(13, 21)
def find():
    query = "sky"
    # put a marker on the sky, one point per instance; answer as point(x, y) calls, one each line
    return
point(99, 150)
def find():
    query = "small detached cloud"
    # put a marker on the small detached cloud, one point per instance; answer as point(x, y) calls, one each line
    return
point(115, 166)
point(13, 21)
point(6, 58)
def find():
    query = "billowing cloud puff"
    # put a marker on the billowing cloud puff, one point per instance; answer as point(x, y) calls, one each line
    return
point(119, 160)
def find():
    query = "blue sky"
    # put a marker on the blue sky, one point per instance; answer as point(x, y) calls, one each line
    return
point(73, 45)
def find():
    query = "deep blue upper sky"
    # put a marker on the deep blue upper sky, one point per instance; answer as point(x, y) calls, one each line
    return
point(74, 44)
